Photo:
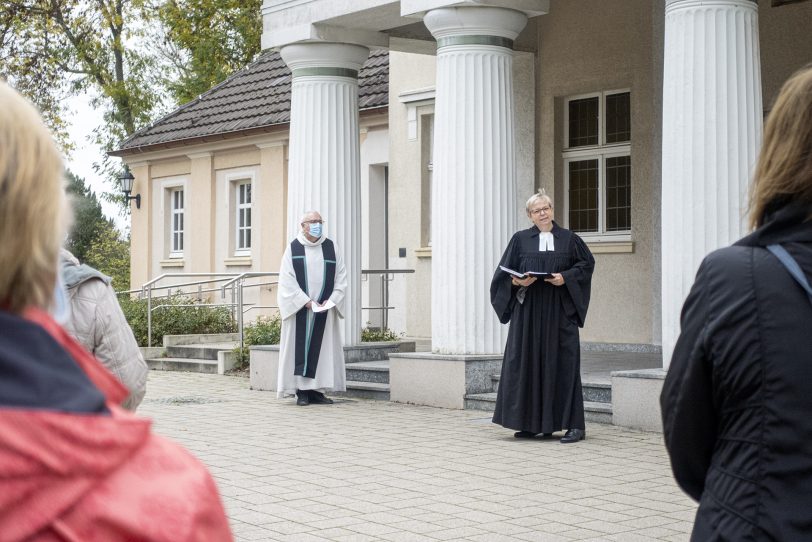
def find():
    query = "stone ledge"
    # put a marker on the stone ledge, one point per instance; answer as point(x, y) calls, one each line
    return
point(440, 380)
point(636, 399)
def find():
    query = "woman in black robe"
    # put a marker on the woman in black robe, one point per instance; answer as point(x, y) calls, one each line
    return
point(540, 386)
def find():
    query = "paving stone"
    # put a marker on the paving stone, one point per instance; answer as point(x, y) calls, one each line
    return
point(341, 473)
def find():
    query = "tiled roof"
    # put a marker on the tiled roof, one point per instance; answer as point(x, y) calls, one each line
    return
point(253, 98)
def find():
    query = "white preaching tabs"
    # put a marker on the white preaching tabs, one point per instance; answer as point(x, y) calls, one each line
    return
point(546, 241)
point(321, 308)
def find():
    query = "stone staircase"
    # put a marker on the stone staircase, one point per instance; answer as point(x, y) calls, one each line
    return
point(597, 400)
point(196, 353)
point(368, 380)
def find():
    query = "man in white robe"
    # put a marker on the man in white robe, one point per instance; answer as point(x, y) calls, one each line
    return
point(312, 287)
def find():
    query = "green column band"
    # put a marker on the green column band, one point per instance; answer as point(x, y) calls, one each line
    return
point(329, 72)
point(494, 41)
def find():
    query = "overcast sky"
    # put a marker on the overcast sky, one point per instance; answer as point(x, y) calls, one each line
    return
point(83, 119)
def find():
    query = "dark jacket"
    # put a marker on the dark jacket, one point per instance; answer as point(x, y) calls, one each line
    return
point(737, 400)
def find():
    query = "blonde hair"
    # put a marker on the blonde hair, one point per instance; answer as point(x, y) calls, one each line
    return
point(540, 195)
point(32, 205)
point(784, 170)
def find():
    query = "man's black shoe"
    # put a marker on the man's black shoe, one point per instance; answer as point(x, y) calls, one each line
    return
point(573, 435)
point(318, 398)
point(302, 397)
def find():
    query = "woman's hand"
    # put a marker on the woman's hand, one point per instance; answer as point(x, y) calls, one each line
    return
point(557, 280)
point(527, 281)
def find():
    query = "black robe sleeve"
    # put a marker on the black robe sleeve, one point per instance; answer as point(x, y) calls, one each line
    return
point(689, 416)
point(503, 293)
point(578, 280)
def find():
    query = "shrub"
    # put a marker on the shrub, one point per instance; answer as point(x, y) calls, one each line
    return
point(376, 335)
point(264, 330)
point(174, 319)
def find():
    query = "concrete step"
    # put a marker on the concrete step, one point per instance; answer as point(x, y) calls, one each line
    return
point(366, 390)
point(199, 351)
point(369, 371)
point(184, 364)
point(593, 411)
point(596, 392)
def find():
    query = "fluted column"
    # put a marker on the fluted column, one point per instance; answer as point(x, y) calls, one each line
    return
point(324, 159)
point(474, 181)
point(712, 120)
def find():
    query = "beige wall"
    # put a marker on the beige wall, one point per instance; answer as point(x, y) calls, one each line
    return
point(785, 38)
point(591, 46)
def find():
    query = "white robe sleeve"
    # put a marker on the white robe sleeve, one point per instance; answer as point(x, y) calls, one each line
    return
point(291, 298)
point(340, 284)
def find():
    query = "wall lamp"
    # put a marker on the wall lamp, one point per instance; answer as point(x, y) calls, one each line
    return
point(127, 180)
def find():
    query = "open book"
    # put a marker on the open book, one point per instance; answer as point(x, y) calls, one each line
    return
point(538, 274)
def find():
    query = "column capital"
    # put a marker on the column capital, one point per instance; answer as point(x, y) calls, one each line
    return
point(466, 25)
point(324, 59)
point(672, 5)
point(418, 8)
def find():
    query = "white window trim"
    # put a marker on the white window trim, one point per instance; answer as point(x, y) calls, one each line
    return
point(233, 182)
point(173, 252)
point(601, 152)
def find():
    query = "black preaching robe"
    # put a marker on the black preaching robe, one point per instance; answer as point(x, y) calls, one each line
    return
point(540, 386)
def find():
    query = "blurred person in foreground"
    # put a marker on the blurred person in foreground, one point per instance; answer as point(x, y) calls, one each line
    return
point(96, 320)
point(73, 464)
point(737, 400)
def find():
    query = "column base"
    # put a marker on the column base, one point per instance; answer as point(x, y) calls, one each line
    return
point(440, 380)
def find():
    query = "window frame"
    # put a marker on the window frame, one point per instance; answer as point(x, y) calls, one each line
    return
point(599, 152)
point(238, 207)
point(173, 251)
point(233, 180)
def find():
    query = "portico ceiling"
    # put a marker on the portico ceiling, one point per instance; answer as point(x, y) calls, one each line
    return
point(373, 22)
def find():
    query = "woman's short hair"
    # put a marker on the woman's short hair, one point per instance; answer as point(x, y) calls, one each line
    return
point(33, 207)
point(784, 170)
point(541, 195)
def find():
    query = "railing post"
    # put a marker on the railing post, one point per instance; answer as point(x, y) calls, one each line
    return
point(386, 302)
point(383, 300)
point(149, 315)
point(239, 312)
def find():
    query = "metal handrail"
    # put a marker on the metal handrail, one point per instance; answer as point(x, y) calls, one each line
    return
point(236, 282)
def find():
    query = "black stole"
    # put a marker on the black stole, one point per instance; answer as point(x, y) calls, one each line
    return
point(310, 325)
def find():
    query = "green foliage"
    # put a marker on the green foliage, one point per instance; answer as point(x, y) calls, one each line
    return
point(264, 330)
point(111, 255)
point(50, 50)
point(88, 219)
point(209, 40)
point(375, 335)
point(174, 319)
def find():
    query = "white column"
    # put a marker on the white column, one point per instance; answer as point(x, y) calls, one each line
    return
point(712, 119)
point(474, 182)
point(323, 165)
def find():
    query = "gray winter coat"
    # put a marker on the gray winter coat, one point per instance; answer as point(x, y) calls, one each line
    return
point(97, 322)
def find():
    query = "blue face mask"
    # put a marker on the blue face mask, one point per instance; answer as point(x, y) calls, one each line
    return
point(315, 230)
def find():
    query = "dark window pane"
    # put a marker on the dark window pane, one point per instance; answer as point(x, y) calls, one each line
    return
point(247, 239)
point(248, 217)
point(583, 195)
point(619, 194)
point(248, 193)
point(618, 118)
point(583, 122)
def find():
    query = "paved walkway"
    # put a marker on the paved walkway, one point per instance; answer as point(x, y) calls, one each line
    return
point(364, 470)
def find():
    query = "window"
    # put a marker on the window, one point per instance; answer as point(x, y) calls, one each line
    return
point(176, 223)
point(243, 218)
point(427, 175)
point(597, 164)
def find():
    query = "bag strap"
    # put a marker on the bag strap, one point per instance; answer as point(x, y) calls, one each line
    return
point(792, 266)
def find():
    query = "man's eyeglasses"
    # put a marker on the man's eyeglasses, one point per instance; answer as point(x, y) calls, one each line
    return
point(314, 222)
point(545, 210)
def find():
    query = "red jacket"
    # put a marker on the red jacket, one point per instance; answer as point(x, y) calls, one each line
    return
point(83, 477)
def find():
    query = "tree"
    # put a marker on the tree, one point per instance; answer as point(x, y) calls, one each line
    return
point(110, 254)
point(208, 40)
point(88, 218)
